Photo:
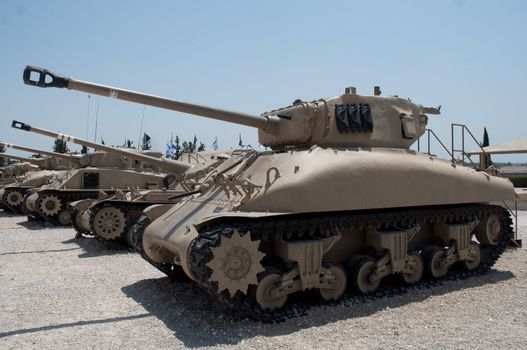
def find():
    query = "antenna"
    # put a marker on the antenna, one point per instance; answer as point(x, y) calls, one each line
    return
point(141, 128)
point(88, 118)
point(96, 120)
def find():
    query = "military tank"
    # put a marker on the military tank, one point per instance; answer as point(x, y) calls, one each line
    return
point(338, 205)
point(13, 172)
point(50, 202)
point(13, 194)
point(51, 161)
point(109, 218)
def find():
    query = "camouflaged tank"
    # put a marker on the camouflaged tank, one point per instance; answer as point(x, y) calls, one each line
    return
point(338, 205)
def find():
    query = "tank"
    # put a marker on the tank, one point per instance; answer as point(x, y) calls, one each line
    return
point(111, 217)
point(13, 172)
point(127, 209)
point(50, 202)
point(340, 204)
point(52, 161)
point(13, 194)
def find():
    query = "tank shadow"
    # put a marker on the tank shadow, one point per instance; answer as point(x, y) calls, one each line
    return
point(68, 325)
point(8, 214)
point(39, 251)
point(93, 247)
point(198, 320)
point(35, 225)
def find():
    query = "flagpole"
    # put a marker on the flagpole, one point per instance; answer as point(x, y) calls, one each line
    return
point(141, 128)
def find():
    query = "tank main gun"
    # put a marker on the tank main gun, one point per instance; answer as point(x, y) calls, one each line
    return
point(21, 159)
point(344, 121)
point(50, 79)
point(165, 165)
point(41, 152)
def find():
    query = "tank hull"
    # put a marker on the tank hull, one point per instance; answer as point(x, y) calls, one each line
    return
point(299, 183)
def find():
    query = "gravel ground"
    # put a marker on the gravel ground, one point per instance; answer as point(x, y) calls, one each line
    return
point(59, 292)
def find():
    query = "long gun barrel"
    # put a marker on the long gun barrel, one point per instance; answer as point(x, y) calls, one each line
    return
point(38, 151)
point(166, 165)
point(22, 159)
point(44, 78)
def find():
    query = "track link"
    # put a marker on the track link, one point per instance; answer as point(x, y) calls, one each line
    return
point(210, 237)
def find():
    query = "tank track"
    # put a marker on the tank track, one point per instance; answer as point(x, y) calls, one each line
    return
point(8, 190)
point(126, 208)
point(65, 198)
point(210, 237)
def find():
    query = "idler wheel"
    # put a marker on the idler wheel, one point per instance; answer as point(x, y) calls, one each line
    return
point(265, 294)
point(50, 205)
point(361, 269)
point(109, 223)
point(418, 266)
point(475, 257)
point(14, 198)
point(340, 280)
point(489, 230)
point(65, 218)
point(433, 257)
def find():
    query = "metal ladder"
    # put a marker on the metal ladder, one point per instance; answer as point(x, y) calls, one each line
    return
point(462, 131)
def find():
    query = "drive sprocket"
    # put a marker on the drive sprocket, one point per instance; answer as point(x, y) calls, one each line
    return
point(14, 198)
point(50, 205)
point(236, 263)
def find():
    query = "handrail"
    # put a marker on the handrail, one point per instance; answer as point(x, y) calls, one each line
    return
point(428, 133)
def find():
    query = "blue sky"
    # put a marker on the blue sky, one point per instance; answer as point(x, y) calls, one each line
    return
point(468, 56)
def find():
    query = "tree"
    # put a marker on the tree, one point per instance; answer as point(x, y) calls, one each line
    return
point(2, 160)
point(201, 147)
point(177, 151)
point(128, 143)
point(146, 144)
point(36, 155)
point(60, 146)
point(488, 160)
point(84, 150)
point(485, 138)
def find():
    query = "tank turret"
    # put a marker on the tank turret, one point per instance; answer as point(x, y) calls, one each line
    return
point(348, 120)
point(165, 165)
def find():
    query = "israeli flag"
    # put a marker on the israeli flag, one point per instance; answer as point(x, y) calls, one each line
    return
point(215, 144)
point(168, 151)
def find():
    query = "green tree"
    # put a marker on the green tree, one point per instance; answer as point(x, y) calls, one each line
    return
point(60, 146)
point(485, 138)
point(2, 160)
point(128, 143)
point(84, 150)
point(486, 143)
point(177, 152)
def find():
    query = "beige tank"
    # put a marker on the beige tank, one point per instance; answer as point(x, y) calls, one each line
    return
point(338, 205)
point(50, 202)
point(13, 196)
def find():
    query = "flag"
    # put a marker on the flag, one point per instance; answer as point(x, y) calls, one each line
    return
point(146, 137)
point(168, 151)
point(215, 144)
point(240, 143)
point(102, 141)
